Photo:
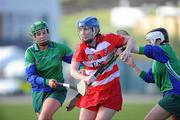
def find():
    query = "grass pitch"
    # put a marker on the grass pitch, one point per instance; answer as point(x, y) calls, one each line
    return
point(25, 112)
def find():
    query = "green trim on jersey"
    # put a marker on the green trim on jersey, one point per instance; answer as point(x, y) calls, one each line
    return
point(141, 50)
point(142, 74)
point(174, 61)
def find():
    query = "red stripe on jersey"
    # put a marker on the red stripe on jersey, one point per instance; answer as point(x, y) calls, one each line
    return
point(108, 73)
point(106, 86)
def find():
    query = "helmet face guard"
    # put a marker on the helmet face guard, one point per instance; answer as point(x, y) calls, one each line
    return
point(89, 23)
point(157, 34)
point(153, 36)
point(38, 26)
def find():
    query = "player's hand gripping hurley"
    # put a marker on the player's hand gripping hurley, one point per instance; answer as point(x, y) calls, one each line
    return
point(80, 88)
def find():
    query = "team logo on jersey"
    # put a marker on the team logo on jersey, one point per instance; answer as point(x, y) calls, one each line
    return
point(95, 64)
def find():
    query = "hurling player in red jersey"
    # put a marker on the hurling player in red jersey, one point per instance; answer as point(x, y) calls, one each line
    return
point(103, 98)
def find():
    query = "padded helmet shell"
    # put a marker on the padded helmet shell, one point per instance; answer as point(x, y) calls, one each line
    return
point(89, 22)
point(38, 26)
point(158, 34)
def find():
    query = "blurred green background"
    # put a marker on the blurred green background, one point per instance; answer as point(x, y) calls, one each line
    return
point(70, 35)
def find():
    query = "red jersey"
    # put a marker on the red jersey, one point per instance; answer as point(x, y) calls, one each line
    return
point(92, 58)
point(106, 90)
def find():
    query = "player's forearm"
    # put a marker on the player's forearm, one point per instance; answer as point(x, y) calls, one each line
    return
point(135, 49)
point(38, 80)
point(77, 75)
point(32, 76)
point(75, 72)
point(147, 77)
point(136, 69)
point(130, 44)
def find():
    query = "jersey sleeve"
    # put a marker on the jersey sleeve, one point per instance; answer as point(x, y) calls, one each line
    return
point(154, 52)
point(116, 40)
point(78, 55)
point(31, 71)
point(147, 76)
point(68, 53)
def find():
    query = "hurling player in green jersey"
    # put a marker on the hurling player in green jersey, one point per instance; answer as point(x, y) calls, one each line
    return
point(43, 62)
point(165, 73)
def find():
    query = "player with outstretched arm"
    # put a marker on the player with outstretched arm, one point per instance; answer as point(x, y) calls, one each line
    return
point(165, 73)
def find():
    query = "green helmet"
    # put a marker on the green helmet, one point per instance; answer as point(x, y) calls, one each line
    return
point(38, 26)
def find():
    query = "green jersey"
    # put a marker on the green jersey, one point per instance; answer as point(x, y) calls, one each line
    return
point(47, 64)
point(165, 68)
